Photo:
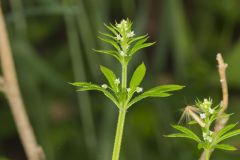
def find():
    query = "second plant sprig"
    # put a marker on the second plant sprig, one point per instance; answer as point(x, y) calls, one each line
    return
point(122, 94)
point(205, 115)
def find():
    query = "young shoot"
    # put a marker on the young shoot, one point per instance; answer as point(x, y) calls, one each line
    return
point(204, 115)
point(122, 93)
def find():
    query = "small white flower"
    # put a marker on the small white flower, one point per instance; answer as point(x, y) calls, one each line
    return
point(117, 81)
point(122, 54)
point(209, 139)
point(203, 115)
point(118, 37)
point(204, 135)
point(119, 25)
point(131, 34)
point(207, 102)
point(139, 89)
point(211, 111)
point(210, 133)
point(123, 23)
point(104, 86)
point(129, 89)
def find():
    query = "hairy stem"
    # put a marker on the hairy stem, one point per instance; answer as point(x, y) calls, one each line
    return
point(119, 134)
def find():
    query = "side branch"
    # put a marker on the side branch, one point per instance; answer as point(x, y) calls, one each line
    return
point(222, 72)
point(9, 85)
point(221, 122)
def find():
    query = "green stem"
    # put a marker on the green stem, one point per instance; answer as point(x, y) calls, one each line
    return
point(124, 76)
point(119, 134)
point(207, 154)
point(121, 117)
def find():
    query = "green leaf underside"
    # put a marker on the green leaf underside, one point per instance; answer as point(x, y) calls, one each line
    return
point(187, 132)
point(108, 35)
point(109, 52)
point(159, 91)
point(110, 76)
point(139, 45)
point(142, 96)
point(165, 88)
point(137, 38)
point(192, 122)
point(181, 135)
point(111, 29)
point(224, 130)
point(85, 86)
point(113, 43)
point(138, 76)
point(229, 135)
point(225, 147)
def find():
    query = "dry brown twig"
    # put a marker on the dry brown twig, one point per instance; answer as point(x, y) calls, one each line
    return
point(221, 122)
point(9, 85)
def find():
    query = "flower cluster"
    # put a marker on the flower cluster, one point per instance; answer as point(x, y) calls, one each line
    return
point(123, 36)
point(129, 90)
point(207, 114)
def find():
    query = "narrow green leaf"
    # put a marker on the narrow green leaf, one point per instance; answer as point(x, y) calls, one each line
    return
point(146, 95)
point(165, 88)
point(192, 122)
point(111, 29)
point(141, 47)
point(225, 130)
point(137, 38)
point(187, 131)
point(159, 91)
point(110, 76)
point(107, 35)
point(180, 135)
point(109, 52)
point(138, 76)
point(225, 147)
point(113, 43)
point(85, 86)
point(229, 135)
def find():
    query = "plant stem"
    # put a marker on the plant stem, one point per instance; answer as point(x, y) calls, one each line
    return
point(207, 154)
point(119, 134)
point(124, 76)
point(121, 117)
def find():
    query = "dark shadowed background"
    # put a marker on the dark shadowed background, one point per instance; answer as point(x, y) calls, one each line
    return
point(52, 43)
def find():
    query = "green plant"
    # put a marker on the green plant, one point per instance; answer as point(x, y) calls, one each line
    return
point(126, 45)
point(205, 115)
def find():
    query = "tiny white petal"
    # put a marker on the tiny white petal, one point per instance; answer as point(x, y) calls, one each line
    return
point(211, 111)
point(118, 37)
point(204, 134)
point(203, 115)
point(129, 89)
point(119, 25)
point(117, 81)
point(131, 34)
point(104, 86)
point(122, 54)
point(209, 139)
point(139, 89)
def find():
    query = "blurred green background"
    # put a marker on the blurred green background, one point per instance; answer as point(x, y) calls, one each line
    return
point(52, 43)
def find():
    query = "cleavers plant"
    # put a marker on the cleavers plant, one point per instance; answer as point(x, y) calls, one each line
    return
point(205, 115)
point(122, 94)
